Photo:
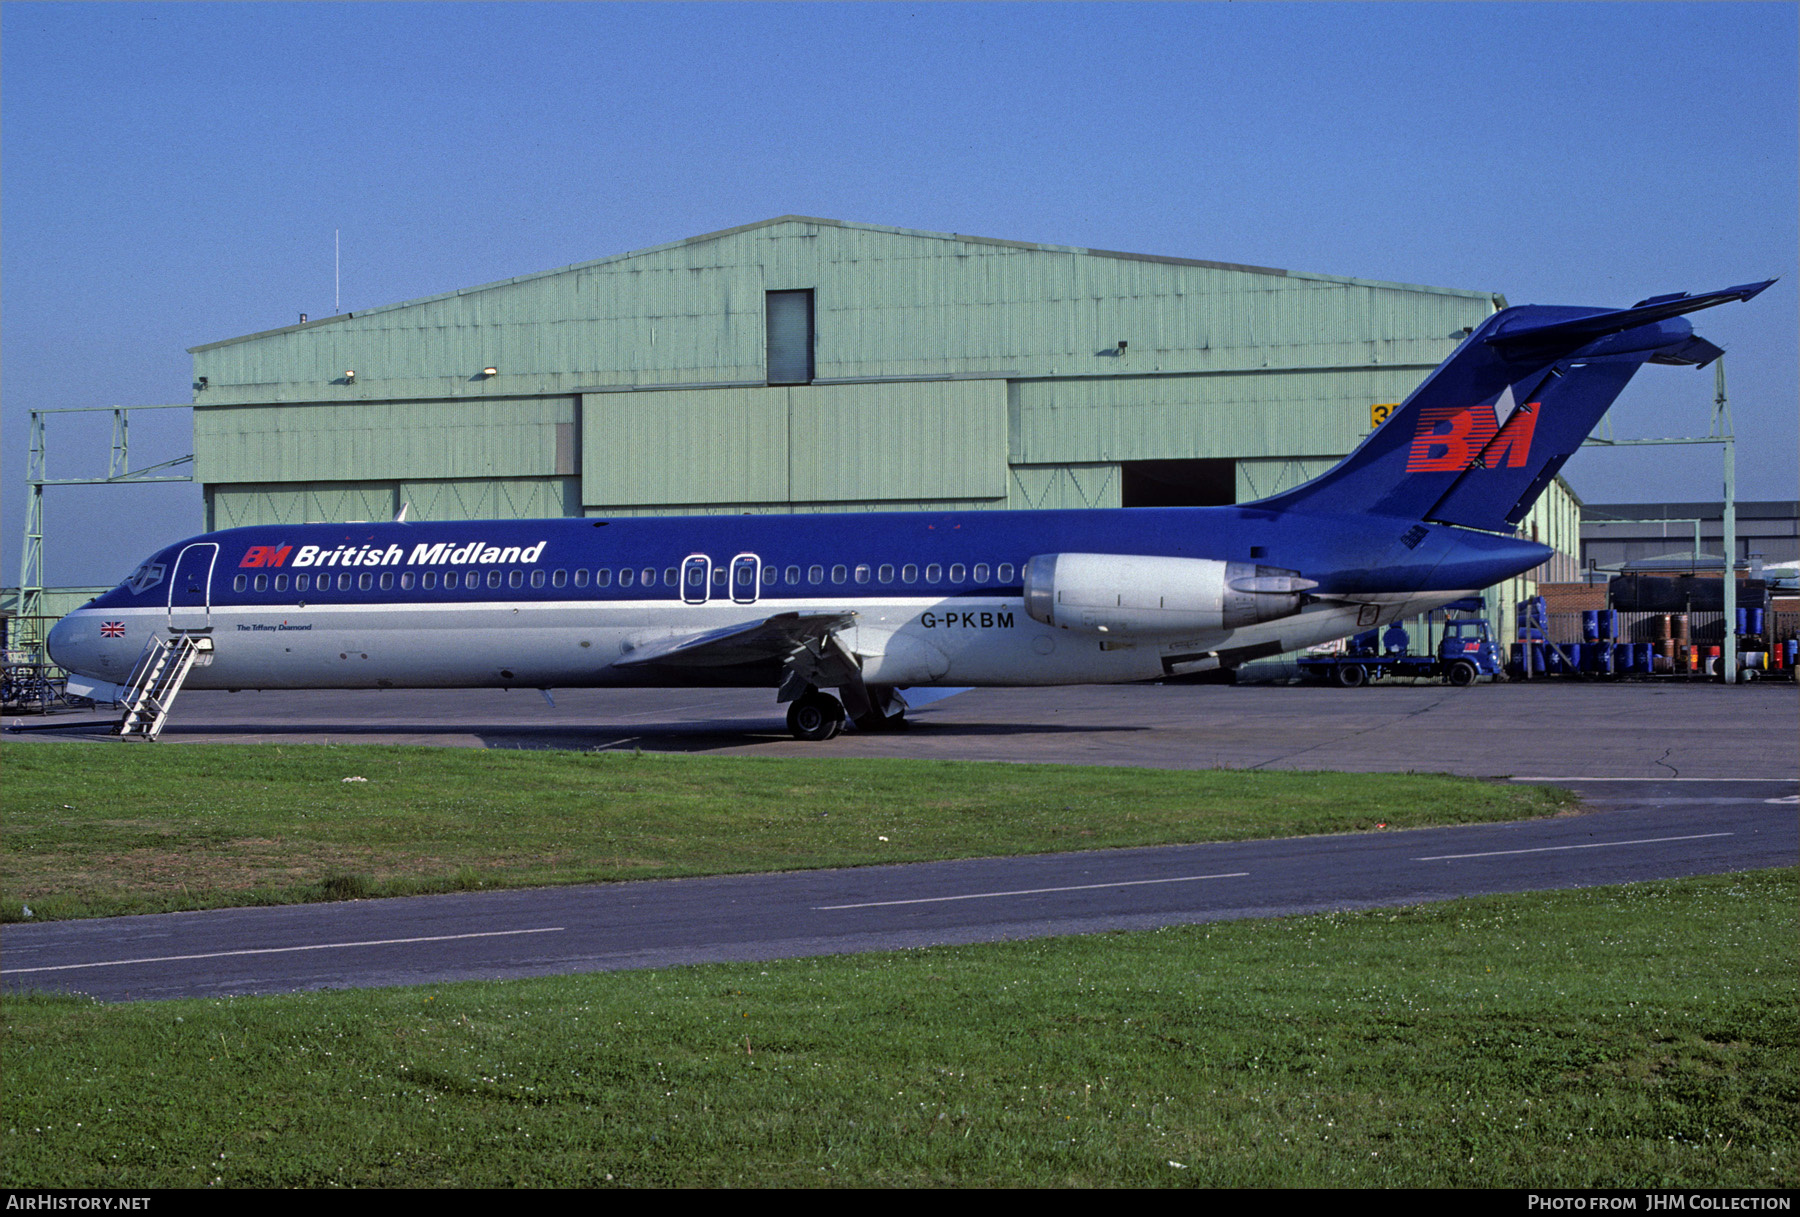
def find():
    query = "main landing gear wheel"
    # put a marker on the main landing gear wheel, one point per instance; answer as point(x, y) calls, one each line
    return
point(1352, 676)
point(1462, 674)
point(815, 716)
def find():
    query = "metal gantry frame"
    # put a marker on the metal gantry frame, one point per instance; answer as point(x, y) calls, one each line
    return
point(1721, 433)
point(118, 470)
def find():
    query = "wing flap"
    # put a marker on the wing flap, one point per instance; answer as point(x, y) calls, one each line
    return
point(774, 639)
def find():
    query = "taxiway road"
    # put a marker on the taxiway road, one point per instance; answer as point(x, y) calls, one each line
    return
point(1587, 729)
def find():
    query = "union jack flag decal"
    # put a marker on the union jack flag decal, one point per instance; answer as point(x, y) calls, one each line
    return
point(112, 629)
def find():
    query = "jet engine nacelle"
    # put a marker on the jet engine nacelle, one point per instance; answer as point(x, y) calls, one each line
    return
point(1135, 595)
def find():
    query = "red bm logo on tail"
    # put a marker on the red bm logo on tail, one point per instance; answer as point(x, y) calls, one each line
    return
point(1451, 439)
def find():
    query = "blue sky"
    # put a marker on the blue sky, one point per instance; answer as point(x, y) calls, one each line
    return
point(172, 174)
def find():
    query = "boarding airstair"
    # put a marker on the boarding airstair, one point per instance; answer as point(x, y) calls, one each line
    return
point(160, 672)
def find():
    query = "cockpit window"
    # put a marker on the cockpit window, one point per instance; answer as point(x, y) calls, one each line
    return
point(145, 577)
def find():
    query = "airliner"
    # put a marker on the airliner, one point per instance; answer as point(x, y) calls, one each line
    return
point(840, 614)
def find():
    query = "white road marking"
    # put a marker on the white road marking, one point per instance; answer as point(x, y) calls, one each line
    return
point(1030, 891)
point(319, 946)
point(1781, 779)
point(1551, 849)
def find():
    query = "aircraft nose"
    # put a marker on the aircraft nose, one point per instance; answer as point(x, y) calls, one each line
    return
point(66, 647)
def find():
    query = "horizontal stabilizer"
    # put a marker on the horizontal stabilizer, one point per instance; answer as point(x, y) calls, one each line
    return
point(1531, 337)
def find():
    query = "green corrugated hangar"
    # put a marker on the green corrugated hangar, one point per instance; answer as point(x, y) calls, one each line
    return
point(804, 364)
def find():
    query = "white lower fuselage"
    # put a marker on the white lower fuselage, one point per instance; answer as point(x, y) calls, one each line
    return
point(962, 641)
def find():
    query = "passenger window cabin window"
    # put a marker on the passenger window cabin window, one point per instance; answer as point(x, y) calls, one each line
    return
point(602, 578)
point(581, 577)
point(770, 575)
point(515, 578)
point(981, 572)
point(428, 580)
point(493, 579)
point(909, 573)
point(537, 578)
point(559, 578)
point(281, 583)
point(449, 580)
point(647, 576)
point(240, 583)
point(365, 581)
point(933, 573)
point(387, 580)
point(626, 577)
point(815, 574)
point(1006, 572)
point(302, 582)
point(862, 572)
point(957, 572)
point(344, 582)
point(669, 578)
point(260, 583)
point(406, 580)
point(838, 573)
point(718, 576)
point(886, 573)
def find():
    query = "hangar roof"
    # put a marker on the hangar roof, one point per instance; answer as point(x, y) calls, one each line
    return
point(962, 238)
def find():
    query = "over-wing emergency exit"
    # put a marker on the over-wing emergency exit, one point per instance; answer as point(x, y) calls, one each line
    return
point(840, 613)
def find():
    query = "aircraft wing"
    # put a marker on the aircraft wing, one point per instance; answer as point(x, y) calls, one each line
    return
point(803, 641)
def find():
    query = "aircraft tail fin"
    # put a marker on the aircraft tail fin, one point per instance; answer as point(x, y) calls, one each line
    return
point(1478, 441)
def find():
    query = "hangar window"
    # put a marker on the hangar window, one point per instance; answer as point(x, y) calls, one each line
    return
point(790, 335)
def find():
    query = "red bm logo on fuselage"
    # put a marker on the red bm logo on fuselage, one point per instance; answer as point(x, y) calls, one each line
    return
point(266, 555)
point(1451, 439)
